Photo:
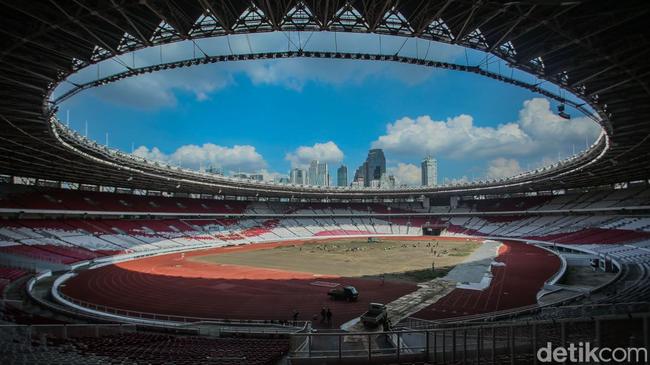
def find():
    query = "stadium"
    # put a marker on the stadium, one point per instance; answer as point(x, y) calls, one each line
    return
point(107, 257)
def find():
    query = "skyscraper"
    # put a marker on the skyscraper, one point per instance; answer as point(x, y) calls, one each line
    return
point(342, 176)
point(322, 175)
point(429, 171)
point(375, 166)
point(312, 173)
point(318, 174)
point(298, 176)
point(360, 174)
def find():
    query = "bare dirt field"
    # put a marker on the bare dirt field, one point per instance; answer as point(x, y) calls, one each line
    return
point(396, 259)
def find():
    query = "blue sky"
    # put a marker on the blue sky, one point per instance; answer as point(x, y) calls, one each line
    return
point(272, 115)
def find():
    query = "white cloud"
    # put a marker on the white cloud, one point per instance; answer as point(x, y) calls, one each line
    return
point(502, 167)
point(454, 138)
point(159, 90)
point(236, 158)
point(325, 152)
point(539, 121)
point(153, 154)
point(295, 73)
point(408, 174)
point(536, 133)
point(137, 93)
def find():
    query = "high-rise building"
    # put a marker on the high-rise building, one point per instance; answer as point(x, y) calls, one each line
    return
point(342, 176)
point(360, 174)
point(322, 175)
point(298, 176)
point(429, 171)
point(312, 173)
point(387, 182)
point(371, 171)
point(375, 166)
point(318, 174)
point(256, 177)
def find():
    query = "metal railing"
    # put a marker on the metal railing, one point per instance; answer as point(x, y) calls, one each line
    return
point(507, 342)
point(265, 326)
point(532, 312)
point(62, 331)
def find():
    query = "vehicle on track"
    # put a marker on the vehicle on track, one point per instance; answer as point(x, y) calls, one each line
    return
point(348, 293)
point(376, 315)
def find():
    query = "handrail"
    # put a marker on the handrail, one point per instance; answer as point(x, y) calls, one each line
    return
point(503, 324)
point(620, 309)
point(68, 325)
point(183, 319)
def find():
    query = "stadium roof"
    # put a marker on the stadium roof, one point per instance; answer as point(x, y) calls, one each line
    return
point(592, 49)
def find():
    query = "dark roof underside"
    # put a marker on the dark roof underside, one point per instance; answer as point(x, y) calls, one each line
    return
point(594, 49)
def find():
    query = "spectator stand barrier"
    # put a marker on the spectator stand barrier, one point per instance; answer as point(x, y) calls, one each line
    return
point(503, 342)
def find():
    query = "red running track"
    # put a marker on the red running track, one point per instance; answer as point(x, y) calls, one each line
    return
point(514, 285)
point(174, 286)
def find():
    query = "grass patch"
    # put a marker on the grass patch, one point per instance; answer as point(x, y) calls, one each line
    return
point(405, 260)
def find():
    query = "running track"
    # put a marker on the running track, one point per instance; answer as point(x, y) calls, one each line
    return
point(514, 285)
point(170, 285)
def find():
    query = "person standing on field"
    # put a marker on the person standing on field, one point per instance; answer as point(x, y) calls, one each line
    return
point(329, 317)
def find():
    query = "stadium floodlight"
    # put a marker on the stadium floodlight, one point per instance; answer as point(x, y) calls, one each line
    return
point(562, 113)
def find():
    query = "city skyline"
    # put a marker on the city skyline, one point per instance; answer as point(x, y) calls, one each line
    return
point(317, 173)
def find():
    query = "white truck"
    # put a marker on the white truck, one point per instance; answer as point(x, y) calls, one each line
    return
point(375, 315)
